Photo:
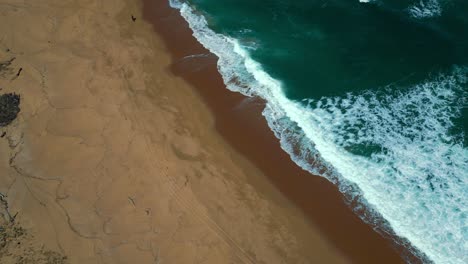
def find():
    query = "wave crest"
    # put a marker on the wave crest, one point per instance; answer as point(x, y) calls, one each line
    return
point(425, 9)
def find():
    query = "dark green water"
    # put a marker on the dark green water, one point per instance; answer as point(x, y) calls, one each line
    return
point(342, 45)
point(377, 92)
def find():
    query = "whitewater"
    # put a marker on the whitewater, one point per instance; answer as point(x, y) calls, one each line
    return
point(420, 9)
point(416, 177)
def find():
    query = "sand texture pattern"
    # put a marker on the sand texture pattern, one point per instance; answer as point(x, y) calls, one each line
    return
point(114, 160)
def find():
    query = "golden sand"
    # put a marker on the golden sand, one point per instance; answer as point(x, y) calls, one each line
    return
point(114, 160)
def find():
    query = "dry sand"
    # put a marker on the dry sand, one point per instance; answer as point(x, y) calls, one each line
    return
point(113, 159)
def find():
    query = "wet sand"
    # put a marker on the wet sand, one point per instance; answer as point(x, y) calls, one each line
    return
point(239, 121)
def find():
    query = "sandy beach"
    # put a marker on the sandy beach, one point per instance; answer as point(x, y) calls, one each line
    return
point(114, 159)
point(125, 151)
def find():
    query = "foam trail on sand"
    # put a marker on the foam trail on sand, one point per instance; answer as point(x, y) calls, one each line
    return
point(397, 152)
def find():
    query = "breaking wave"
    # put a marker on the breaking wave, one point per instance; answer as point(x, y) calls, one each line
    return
point(396, 152)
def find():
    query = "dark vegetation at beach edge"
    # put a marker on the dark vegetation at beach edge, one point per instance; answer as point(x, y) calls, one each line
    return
point(17, 245)
point(9, 102)
point(9, 108)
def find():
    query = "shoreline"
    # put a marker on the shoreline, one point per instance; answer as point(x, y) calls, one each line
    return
point(238, 119)
point(114, 159)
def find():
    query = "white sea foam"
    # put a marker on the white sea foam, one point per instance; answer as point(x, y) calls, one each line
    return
point(417, 177)
point(425, 9)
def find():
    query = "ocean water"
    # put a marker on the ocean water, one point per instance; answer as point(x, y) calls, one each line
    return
point(371, 94)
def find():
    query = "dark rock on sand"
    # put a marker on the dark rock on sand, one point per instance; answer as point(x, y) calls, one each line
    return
point(9, 108)
point(19, 72)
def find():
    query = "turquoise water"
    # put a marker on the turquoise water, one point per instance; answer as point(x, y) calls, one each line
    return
point(369, 94)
